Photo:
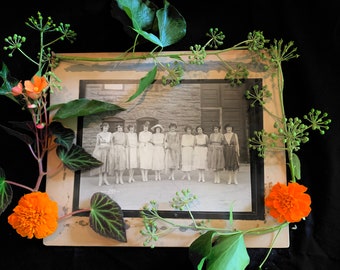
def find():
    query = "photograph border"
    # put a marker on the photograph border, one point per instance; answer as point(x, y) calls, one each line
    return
point(254, 121)
point(73, 232)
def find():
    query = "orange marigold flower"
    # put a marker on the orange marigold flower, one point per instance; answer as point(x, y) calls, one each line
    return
point(17, 90)
point(288, 202)
point(35, 87)
point(35, 216)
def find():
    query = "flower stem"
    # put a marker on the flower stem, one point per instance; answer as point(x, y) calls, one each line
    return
point(270, 249)
point(19, 185)
point(73, 213)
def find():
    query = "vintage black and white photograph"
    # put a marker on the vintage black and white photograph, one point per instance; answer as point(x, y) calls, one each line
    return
point(192, 137)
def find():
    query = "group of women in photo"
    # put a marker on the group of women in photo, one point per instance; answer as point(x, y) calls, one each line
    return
point(165, 152)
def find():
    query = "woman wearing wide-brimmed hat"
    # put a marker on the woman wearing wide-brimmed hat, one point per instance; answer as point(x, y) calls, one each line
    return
point(158, 154)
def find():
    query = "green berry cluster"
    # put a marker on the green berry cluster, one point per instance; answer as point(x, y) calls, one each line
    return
point(174, 74)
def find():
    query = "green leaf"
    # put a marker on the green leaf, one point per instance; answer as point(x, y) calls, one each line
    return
point(4, 72)
point(24, 125)
point(6, 192)
point(106, 217)
point(149, 36)
point(171, 24)
point(22, 136)
point(228, 252)
point(83, 107)
point(64, 136)
point(6, 86)
point(200, 249)
point(8, 83)
point(76, 158)
point(176, 57)
point(297, 166)
point(144, 83)
point(141, 13)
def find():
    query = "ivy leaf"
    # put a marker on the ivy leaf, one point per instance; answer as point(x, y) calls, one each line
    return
point(6, 87)
point(228, 252)
point(144, 83)
point(22, 136)
point(82, 107)
point(176, 57)
point(200, 249)
point(64, 136)
point(142, 13)
point(6, 192)
point(171, 24)
point(8, 83)
point(151, 37)
point(106, 217)
point(297, 166)
point(76, 158)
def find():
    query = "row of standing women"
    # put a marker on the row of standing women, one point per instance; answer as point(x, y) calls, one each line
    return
point(165, 152)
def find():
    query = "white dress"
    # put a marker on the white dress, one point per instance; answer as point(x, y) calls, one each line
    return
point(101, 152)
point(158, 155)
point(187, 143)
point(145, 150)
point(201, 152)
point(131, 150)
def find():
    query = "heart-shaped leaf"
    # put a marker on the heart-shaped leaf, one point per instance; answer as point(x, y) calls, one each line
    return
point(228, 252)
point(200, 249)
point(76, 158)
point(6, 192)
point(21, 136)
point(163, 27)
point(142, 13)
point(172, 26)
point(106, 217)
point(64, 136)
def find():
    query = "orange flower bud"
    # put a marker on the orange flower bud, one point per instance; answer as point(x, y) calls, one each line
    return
point(31, 106)
point(17, 90)
point(40, 125)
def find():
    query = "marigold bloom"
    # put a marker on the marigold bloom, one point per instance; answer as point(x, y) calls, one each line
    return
point(35, 87)
point(35, 216)
point(17, 90)
point(288, 202)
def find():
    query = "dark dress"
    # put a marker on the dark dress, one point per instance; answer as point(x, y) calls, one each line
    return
point(215, 152)
point(231, 154)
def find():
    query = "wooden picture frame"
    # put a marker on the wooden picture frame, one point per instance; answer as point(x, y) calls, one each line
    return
point(204, 97)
